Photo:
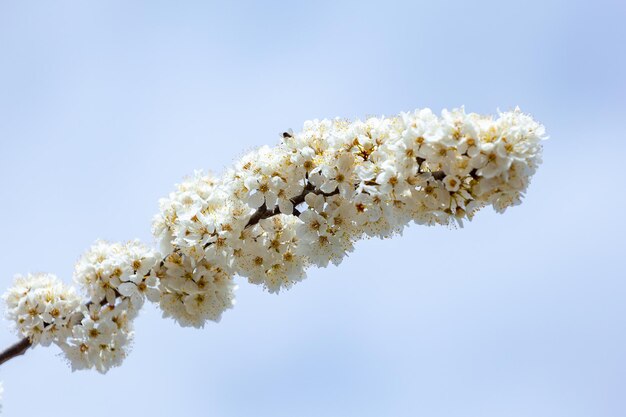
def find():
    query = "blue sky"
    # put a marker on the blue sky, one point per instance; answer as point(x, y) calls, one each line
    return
point(104, 106)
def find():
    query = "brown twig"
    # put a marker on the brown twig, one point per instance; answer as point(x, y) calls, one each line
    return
point(263, 212)
point(17, 349)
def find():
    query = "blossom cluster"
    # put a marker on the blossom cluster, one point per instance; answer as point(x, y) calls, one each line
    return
point(94, 332)
point(42, 308)
point(278, 211)
point(117, 278)
point(306, 201)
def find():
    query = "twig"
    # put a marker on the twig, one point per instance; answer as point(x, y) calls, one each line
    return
point(17, 349)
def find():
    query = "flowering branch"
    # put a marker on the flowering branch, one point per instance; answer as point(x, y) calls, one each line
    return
point(277, 212)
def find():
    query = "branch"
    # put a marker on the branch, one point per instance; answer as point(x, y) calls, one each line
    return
point(263, 212)
point(17, 349)
point(329, 149)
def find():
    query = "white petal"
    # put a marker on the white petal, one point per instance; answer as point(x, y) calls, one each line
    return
point(256, 200)
point(127, 289)
point(329, 186)
point(285, 206)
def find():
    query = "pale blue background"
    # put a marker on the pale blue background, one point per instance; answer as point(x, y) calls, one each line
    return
point(104, 106)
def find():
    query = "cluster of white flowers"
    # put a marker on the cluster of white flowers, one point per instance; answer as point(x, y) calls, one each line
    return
point(195, 229)
point(42, 308)
point(306, 201)
point(96, 332)
point(114, 271)
point(278, 211)
point(117, 278)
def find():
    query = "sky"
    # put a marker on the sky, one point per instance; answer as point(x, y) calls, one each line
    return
point(104, 106)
